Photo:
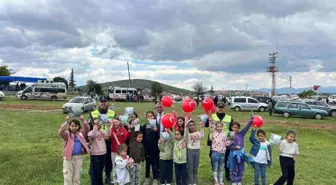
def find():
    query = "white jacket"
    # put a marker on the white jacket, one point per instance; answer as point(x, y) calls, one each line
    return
point(123, 176)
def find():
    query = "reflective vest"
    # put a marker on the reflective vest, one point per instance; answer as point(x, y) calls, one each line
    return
point(227, 120)
point(110, 114)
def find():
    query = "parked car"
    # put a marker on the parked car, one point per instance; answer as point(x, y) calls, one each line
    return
point(298, 109)
point(332, 99)
point(323, 106)
point(247, 103)
point(85, 103)
point(264, 99)
point(2, 95)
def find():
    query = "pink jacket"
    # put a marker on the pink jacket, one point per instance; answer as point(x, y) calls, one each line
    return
point(69, 139)
point(97, 141)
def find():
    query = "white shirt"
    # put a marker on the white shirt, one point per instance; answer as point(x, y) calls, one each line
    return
point(288, 149)
point(261, 157)
point(158, 120)
point(123, 176)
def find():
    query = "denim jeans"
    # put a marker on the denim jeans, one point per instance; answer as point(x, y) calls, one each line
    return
point(96, 169)
point(181, 174)
point(260, 170)
point(217, 161)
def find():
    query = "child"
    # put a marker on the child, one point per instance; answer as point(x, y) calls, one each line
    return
point(288, 150)
point(98, 153)
point(219, 143)
point(166, 144)
point(193, 138)
point(180, 124)
point(237, 153)
point(137, 153)
point(262, 155)
point(74, 146)
point(180, 159)
point(151, 136)
point(122, 164)
point(118, 136)
point(133, 120)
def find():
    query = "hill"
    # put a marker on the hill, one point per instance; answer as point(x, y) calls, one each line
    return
point(287, 90)
point(142, 84)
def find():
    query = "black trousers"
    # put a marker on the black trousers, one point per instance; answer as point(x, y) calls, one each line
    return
point(154, 162)
point(97, 163)
point(181, 174)
point(166, 171)
point(288, 171)
point(108, 160)
point(227, 170)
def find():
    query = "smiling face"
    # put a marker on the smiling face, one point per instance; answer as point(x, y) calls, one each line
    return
point(192, 127)
point(133, 117)
point(290, 138)
point(116, 123)
point(159, 108)
point(261, 137)
point(180, 122)
point(139, 138)
point(235, 128)
point(103, 104)
point(74, 127)
point(219, 127)
point(150, 116)
point(178, 136)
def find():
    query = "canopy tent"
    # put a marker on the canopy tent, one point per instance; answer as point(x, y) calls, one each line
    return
point(19, 79)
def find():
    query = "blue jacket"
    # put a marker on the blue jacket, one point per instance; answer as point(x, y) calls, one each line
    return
point(256, 146)
point(240, 156)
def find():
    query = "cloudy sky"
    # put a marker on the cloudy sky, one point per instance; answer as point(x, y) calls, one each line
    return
point(225, 43)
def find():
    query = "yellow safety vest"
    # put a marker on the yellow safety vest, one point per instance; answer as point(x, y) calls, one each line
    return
point(227, 120)
point(110, 114)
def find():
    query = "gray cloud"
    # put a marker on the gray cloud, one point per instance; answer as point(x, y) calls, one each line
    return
point(230, 36)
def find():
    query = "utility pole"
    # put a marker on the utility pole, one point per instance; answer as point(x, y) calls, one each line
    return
point(129, 76)
point(273, 69)
point(290, 81)
point(246, 90)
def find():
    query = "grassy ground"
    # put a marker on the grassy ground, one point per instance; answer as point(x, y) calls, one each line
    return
point(31, 150)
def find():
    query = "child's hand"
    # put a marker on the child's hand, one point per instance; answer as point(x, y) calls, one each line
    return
point(67, 119)
point(167, 130)
point(202, 124)
point(160, 141)
point(238, 147)
point(155, 129)
point(81, 117)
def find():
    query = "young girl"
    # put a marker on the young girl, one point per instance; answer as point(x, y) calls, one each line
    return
point(180, 159)
point(98, 152)
point(262, 155)
point(288, 150)
point(238, 155)
point(151, 136)
point(118, 136)
point(166, 144)
point(133, 120)
point(193, 139)
point(122, 164)
point(74, 147)
point(219, 143)
point(137, 153)
point(180, 124)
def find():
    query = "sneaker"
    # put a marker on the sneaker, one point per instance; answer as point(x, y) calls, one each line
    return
point(155, 182)
point(147, 181)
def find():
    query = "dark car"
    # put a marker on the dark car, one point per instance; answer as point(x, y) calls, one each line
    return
point(323, 106)
point(263, 99)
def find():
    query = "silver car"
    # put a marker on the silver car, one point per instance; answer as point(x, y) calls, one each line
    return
point(247, 103)
point(84, 103)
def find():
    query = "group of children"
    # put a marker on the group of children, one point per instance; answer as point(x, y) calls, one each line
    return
point(177, 147)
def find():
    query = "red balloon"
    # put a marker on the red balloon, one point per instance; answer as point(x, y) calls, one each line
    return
point(168, 120)
point(188, 105)
point(207, 104)
point(167, 101)
point(210, 111)
point(258, 121)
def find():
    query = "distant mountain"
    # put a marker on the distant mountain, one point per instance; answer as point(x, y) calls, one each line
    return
point(287, 90)
point(142, 84)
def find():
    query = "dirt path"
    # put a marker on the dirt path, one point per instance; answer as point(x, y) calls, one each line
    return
point(34, 108)
point(328, 126)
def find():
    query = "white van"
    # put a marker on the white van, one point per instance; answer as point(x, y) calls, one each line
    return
point(46, 90)
point(332, 98)
point(120, 93)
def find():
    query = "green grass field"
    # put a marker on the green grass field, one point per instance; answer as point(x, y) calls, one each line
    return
point(31, 150)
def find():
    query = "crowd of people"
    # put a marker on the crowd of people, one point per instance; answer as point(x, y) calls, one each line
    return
point(119, 149)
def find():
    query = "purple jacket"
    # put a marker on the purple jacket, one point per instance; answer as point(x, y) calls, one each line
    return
point(239, 137)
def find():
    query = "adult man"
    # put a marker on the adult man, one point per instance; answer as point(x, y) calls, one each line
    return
point(159, 114)
point(227, 120)
point(104, 110)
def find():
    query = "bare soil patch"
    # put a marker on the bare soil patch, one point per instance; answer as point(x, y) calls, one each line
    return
point(29, 107)
point(328, 126)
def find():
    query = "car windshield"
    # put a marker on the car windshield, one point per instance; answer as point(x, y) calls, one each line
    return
point(77, 100)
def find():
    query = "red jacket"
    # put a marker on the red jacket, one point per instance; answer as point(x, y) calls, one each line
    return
point(122, 134)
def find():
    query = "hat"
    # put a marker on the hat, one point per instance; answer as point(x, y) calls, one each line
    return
point(220, 104)
point(103, 99)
